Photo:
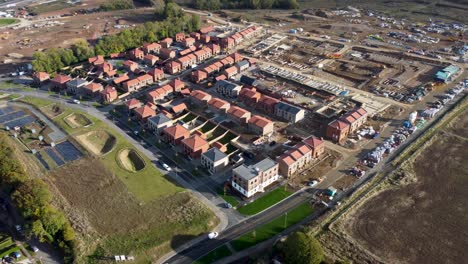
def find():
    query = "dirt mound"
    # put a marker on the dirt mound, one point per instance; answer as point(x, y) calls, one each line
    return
point(130, 160)
point(77, 120)
point(99, 142)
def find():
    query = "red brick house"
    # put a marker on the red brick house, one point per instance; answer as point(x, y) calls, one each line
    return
point(249, 97)
point(157, 74)
point(60, 81)
point(230, 72)
point(194, 146)
point(92, 89)
point(159, 93)
point(175, 134)
point(150, 59)
point(219, 105)
point(236, 57)
point(142, 113)
point(199, 97)
point(121, 79)
point(137, 83)
point(177, 85)
point(130, 65)
point(228, 43)
point(132, 104)
point(215, 48)
point(267, 104)
point(239, 115)
point(173, 67)
point(40, 77)
point(167, 53)
point(151, 48)
point(198, 76)
point(179, 37)
point(188, 42)
point(166, 43)
point(204, 39)
point(109, 94)
point(207, 29)
point(99, 59)
point(176, 109)
point(195, 35)
point(137, 54)
point(316, 144)
point(260, 125)
point(337, 131)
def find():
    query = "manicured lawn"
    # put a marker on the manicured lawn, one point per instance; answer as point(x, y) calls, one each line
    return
point(7, 21)
point(272, 228)
point(214, 255)
point(207, 127)
point(228, 197)
point(265, 201)
point(146, 184)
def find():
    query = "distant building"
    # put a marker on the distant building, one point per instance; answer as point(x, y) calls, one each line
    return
point(337, 131)
point(267, 104)
point(260, 125)
point(248, 80)
point(143, 113)
point(150, 59)
point(249, 97)
point(109, 94)
point(152, 48)
point(195, 146)
point(446, 74)
point(92, 89)
point(40, 77)
point(289, 112)
point(242, 65)
point(175, 134)
point(227, 88)
point(158, 123)
point(75, 85)
point(173, 67)
point(157, 74)
point(255, 178)
point(214, 160)
point(60, 81)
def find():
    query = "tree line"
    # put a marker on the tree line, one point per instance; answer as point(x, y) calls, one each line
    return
point(244, 4)
point(117, 5)
point(34, 199)
point(54, 59)
point(171, 20)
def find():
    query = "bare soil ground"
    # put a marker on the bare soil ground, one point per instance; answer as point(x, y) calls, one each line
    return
point(76, 120)
point(99, 142)
point(130, 160)
point(107, 210)
point(425, 221)
point(52, 110)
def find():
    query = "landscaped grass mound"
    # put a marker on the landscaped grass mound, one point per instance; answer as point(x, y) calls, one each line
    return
point(130, 160)
point(77, 120)
point(99, 142)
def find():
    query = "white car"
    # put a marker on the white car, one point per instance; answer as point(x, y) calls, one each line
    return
point(18, 228)
point(166, 167)
point(35, 249)
point(312, 183)
point(76, 101)
point(213, 235)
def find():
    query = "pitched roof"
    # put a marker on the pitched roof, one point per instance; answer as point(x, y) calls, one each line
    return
point(237, 111)
point(200, 95)
point(250, 93)
point(288, 108)
point(41, 75)
point(121, 79)
point(109, 90)
point(159, 119)
point(313, 141)
point(176, 83)
point(145, 111)
point(179, 108)
point(77, 82)
point(218, 103)
point(94, 86)
point(155, 71)
point(132, 102)
point(176, 131)
point(194, 142)
point(260, 121)
point(268, 100)
point(338, 124)
point(214, 154)
point(61, 78)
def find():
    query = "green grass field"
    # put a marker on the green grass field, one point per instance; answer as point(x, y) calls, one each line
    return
point(228, 197)
point(272, 228)
point(214, 255)
point(7, 21)
point(265, 201)
point(147, 184)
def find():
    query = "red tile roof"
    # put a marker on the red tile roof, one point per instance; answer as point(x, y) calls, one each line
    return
point(313, 141)
point(237, 111)
point(145, 111)
point(200, 95)
point(93, 87)
point(260, 121)
point(194, 142)
point(132, 103)
point(58, 78)
point(176, 131)
point(121, 79)
point(338, 124)
point(218, 103)
point(179, 108)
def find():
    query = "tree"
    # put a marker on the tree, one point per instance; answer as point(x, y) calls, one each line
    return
point(195, 22)
point(301, 247)
point(67, 57)
point(68, 233)
point(39, 231)
point(82, 50)
point(31, 196)
point(52, 220)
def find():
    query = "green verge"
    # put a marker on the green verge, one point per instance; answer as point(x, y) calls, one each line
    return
point(147, 184)
point(265, 201)
point(214, 255)
point(228, 197)
point(272, 228)
point(7, 21)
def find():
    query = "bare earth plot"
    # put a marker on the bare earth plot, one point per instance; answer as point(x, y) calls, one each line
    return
point(99, 142)
point(425, 221)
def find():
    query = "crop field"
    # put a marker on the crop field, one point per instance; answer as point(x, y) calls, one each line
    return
point(426, 219)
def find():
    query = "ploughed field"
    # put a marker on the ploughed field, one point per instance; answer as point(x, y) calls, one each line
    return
point(425, 221)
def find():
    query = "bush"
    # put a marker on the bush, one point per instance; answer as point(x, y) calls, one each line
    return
point(301, 247)
point(117, 5)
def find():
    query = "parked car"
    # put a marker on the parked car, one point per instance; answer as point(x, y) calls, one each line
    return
point(165, 166)
point(34, 249)
point(18, 228)
point(312, 183)
point(76, 101)
point(213, 235)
